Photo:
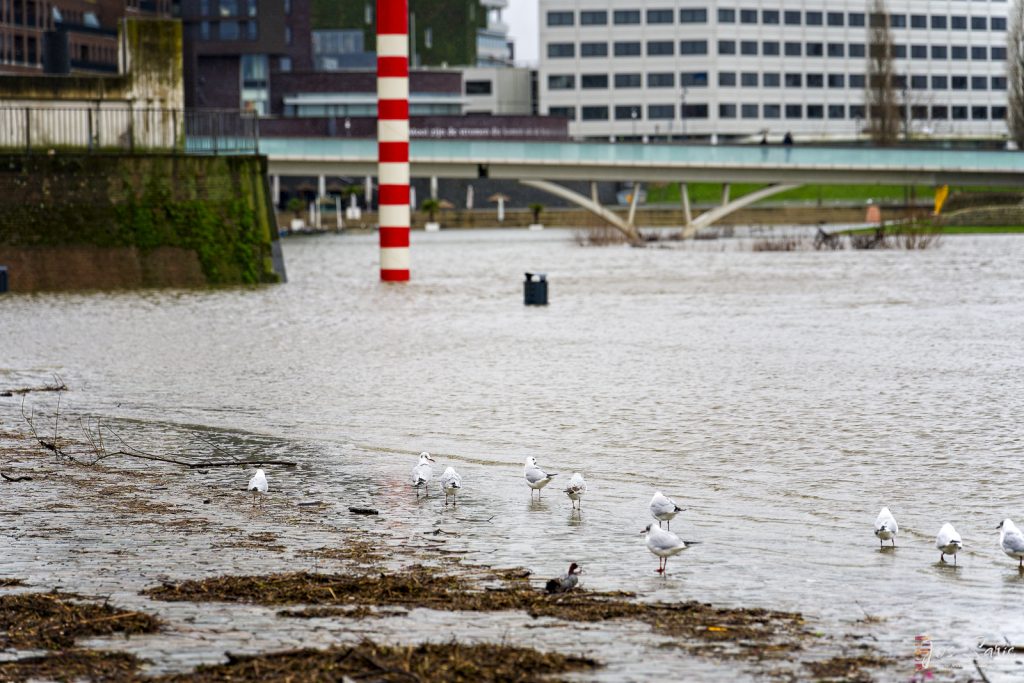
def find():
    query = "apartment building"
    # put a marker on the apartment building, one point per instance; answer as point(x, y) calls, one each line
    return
point(741, 69)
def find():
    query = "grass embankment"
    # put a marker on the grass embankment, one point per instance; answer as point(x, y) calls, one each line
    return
point(942, 229)
point(712, 192)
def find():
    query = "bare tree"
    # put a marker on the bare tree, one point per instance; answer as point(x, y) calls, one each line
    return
point(1015, 73)
point(883, 109)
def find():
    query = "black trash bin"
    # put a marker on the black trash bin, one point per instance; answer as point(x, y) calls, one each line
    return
point(535, 289)
point(3, 279)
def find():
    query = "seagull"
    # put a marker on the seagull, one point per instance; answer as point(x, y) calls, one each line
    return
point(948, 542)
point(536, 478)
point(576, 488)
point(1012, 540)
point(422, 473)
point(664, 544)
point(451, 482)
point(664, 509)
point(886, 527)
point(258, 485)
point(566, 582)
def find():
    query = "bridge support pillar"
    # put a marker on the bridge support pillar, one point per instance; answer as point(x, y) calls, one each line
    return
point(392, 139)
point(725, 194)
point(321, 187)
point(593, 192)
point(275, 190)
point(684, 197)
point(433, 187)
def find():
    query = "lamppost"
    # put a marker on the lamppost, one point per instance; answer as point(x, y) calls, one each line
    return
point(682, 112)
point(348, 126)
point(633, 115)
point(906, 114)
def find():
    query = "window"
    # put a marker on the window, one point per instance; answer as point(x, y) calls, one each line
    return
point(693, 79)
point(940, 112)
point(855, 19)
point(659, 16)
point(626, 16)
point(918, 82)
point(561, 82)
point(771, 111)
point(749, 79)
point(563, 112)
point(918, 21)
point(288, 7)
point(940, 83)
point(748, 47)
point(284, 64)
point(693, 16)
point(661, 80)
point(919, 52)
point(694, 111)
point(250, 8)
point(770, 48)
point(959, 113)
point(998, 53)
point(630, 49)
point(749, 111)
point(771, 79)
point(856, 80)
point(958, 23)
point(998, 113)
point(939, 52)
point(204, 30)
point(726, 111)
point(815, 111)
point(794, 49)
point(556, 50)
point(857, 111)
point(815, 49)
point(726, 16)
point(999, 82)
point(594, 114)
point(627, 112)
point(794, 111)
point(594, 81)
point(230, 30)
point(748, 16)
point(836, 81)
point(979, 52)
point(250, 29)
point(627, 80)
point(815, 81)
point(770, 16)
point(726, 79)
point(979, 82)
point(899, 51)
point(593, 18)
point(836, 111)
point(979, 23)
point(593, 49)
point(958, 52)
point(813, 18)
point(478, 87)
point(856, 50)
point(228, 8)
point(661, 48)
point(794, 80)
point(897, 20)
point(958, 82)
point(938, 21)
point(918, 112)
point(978, 113)
point(661, 112)
point(836, 50)
point(835, 18)
point(792, 18)
point(727, 47)
point(693, 47)
point(560, 19)
point(998, 23)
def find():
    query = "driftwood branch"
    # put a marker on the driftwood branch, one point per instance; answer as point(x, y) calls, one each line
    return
point(10, 478)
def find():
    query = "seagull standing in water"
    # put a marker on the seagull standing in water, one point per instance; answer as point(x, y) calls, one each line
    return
point(886, 527)
point(1012, 541)
point(536, 478)
point(575, 490)
point(664, 509)
point(948, 542)
point(451, 482)
point(664, 544)
point(422, 473)
point(259, 486)
point(566, 582)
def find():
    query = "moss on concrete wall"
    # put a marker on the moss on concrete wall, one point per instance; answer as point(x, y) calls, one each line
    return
point(212, 207)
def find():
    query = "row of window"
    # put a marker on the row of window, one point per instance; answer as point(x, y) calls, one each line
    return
point(228, 30)
point(776, 17)
point(667, 112)
point(754, 79)
point(772, 48)
point(228, 8)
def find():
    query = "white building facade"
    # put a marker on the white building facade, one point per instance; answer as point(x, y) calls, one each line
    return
point(740, 69)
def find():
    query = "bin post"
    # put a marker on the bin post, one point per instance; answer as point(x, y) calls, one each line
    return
point(535, 289)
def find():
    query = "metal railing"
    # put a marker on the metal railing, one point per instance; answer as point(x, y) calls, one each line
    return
point(122, 128)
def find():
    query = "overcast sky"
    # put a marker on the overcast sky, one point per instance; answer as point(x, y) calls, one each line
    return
point(521, 17)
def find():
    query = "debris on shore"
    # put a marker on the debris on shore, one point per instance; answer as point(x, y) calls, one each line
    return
point(73, 665)
point(55, 620)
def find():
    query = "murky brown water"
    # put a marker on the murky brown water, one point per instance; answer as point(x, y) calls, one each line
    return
point(782, 398)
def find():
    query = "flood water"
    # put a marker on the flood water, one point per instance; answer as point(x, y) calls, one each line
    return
point(781, 398)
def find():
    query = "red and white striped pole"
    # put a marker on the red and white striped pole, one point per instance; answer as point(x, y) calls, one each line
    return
point(393, 138)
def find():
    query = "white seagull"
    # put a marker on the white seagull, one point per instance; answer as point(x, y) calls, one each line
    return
point(886, 527)
point(576, 488)
point(1011, 540)
point(664, 509)
point(664, 544)
point(566, 582)
point(422, 473)
point(258, 485)
point(948, 542)
point(536, 478)
point(451, 482)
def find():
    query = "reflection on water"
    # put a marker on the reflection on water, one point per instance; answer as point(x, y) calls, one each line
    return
point(782, 398)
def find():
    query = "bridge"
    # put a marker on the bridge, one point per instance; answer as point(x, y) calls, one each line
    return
point(543, 164)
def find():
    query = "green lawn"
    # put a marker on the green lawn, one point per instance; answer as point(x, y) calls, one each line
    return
point(712, 192)
point(952, 230)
